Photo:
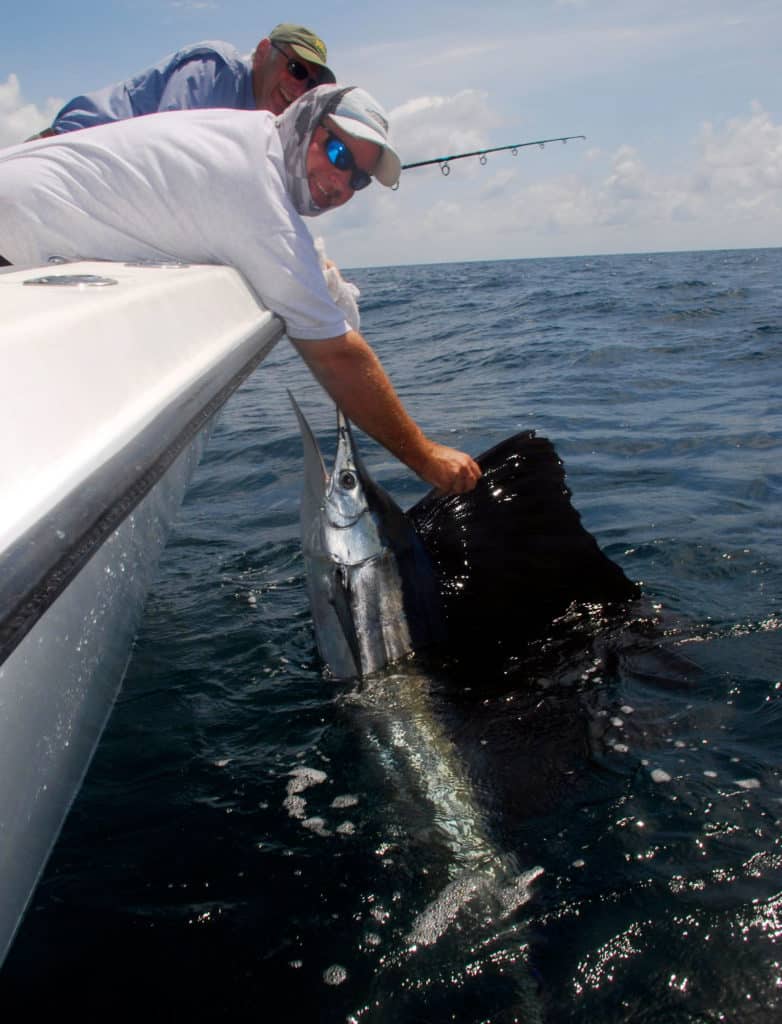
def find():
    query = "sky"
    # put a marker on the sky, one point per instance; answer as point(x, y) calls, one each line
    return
point(680, 102)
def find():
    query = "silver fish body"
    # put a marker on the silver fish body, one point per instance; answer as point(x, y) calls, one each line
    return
point(372, 587)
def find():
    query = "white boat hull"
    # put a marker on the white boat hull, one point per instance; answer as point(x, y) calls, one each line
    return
point(107, 397)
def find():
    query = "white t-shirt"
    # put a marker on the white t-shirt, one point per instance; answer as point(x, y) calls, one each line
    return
point(202, 186)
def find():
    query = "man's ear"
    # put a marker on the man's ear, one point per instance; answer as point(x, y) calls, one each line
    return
point(260, 53)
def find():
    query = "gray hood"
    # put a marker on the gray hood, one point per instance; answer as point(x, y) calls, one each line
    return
point(296, 126)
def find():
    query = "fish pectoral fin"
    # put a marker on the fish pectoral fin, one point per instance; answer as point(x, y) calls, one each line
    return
point(340, 599)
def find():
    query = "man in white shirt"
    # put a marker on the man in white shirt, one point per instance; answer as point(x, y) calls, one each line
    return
point(230, 187)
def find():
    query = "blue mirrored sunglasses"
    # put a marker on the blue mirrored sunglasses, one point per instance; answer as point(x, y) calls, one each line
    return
point(341, 157)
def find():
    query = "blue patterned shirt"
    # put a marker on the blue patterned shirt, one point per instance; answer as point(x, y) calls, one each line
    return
point(210, 74)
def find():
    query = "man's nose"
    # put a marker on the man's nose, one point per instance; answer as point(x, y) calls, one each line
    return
point(296, 87)
point(340, 181)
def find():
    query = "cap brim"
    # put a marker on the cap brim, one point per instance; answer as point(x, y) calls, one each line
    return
point(389, 166)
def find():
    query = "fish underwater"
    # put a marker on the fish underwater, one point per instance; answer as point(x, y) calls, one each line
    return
point(477, 576)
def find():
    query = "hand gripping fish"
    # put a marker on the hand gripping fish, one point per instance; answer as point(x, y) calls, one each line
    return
point(476, 574)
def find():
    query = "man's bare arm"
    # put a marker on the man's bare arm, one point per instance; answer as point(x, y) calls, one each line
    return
point(349, 370)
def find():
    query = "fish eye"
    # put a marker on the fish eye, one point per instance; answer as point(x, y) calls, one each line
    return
point(347, 480)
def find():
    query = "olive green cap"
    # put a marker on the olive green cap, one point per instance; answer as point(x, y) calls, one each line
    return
point(306, 45)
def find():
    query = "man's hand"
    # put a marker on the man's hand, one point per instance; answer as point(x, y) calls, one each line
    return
point(448, 469)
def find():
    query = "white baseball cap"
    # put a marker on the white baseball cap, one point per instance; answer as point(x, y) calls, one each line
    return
point(360, 115)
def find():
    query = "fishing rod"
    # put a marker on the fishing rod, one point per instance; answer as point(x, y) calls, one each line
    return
point(445, 161)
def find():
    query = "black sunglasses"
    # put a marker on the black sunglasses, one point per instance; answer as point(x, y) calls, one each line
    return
point(297, 70)
point(341, 157)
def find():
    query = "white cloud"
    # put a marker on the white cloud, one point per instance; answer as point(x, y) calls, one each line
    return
point(745, 159)
point(726, 192)
point(733, 186)
point(20, 120)
point(432, 126)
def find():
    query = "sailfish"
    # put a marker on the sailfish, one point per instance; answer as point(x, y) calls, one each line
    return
point(475, 576)
point(467, 579)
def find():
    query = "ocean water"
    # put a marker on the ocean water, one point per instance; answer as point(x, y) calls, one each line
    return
point(596, 838)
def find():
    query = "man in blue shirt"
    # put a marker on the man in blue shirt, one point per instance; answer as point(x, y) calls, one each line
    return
point(288, 62)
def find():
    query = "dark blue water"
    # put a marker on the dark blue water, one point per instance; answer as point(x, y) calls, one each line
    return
point(639, 767)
